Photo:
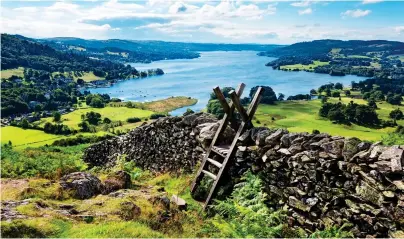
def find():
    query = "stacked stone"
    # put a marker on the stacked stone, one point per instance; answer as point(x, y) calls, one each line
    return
point(168, 144)
point(325, 181)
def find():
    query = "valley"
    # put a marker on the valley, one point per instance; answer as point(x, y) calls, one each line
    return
point(101, 139)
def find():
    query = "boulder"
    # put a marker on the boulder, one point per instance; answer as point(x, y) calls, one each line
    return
point(129, 210)
point(81, 185)
point(117, 180)
point(179, 202)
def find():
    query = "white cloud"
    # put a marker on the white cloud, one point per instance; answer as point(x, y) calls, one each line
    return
point(371, 1)
point(301, 4)
point(225, 21)
point(305, 11)
point(355, 13)
point(399, 29)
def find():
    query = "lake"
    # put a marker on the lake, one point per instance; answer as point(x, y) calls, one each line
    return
point(197, 77)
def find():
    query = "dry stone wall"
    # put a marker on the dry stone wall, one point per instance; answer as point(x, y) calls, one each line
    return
point(168, 144)
point(319, 179)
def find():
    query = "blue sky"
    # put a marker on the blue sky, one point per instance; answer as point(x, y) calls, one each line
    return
point(225, 21)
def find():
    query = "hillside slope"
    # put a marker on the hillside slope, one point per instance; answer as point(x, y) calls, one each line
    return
point(144, 51)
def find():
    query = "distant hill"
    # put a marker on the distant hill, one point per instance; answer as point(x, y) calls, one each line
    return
point(19, 51)
point(144, 51)
point(324, 47)
point(377, 58)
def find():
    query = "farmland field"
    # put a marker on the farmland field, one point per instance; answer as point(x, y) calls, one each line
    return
point(23, 138)
point(113, 113)
point(10, 72)
point(302, 116)
point(309, 67)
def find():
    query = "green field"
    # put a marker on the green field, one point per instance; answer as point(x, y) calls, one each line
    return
point(164, 106)
point(113, 113)
point(302, 116)
point(301, 67)
point(23, 138)
point(86, 76)
point(358, 56)
point(8, 73)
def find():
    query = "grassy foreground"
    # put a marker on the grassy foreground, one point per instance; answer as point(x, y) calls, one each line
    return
point(302, 116)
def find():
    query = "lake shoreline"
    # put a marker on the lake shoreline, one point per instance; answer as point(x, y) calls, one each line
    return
point(197, 77)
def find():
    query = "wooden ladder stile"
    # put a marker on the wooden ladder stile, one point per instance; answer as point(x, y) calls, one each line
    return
point(223, 151)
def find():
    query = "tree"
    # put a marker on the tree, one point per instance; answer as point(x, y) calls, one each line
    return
point(348, 93)
point(366, 115)
point(268, 97)
point(80, 81)
point(372, 104)
point(328, 92)
point(84, 127)
point(313, 92)
point(324, 99)
point(56, 116)
point(338, 86)
point(93, 117)
point(24, 124)
point(97, 102)
point(396, 114)
point(106, 120)
point(394, 99)
point(335, 94)
point(281, 97)
point(336, 115)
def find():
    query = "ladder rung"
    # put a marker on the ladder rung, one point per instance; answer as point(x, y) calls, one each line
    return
point(216, 163)
point(221, 150)
point(209, 174)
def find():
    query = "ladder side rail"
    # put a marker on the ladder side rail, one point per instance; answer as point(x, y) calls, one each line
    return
point(239, 107)
point(222, 100)
point(220, 129)
point(229, 155)
point(250, 112)
point(255, 102)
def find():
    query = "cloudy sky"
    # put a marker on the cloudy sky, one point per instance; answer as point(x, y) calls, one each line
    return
point(230, 21)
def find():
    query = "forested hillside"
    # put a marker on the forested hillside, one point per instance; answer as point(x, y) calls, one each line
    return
point(364, 58)
point(144, 51)
point(324, 47)
point(18, 52)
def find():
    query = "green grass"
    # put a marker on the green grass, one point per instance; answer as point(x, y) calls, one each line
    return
point(86, 76)
point(357, 56)
point(113, 113)
point(309, 67)
point(10, 72)
point(302, 116)
point(162, 106)
point(23, 138)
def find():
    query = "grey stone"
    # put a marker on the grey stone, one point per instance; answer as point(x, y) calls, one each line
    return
point(82, 185)
point(179, 202)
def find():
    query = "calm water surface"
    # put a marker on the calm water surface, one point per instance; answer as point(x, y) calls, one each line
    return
point(197, 77)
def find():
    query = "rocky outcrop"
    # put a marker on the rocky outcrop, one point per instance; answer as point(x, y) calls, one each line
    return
point(116, 181)
point(321, 180)
point(81, 185)
point(168, 144)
